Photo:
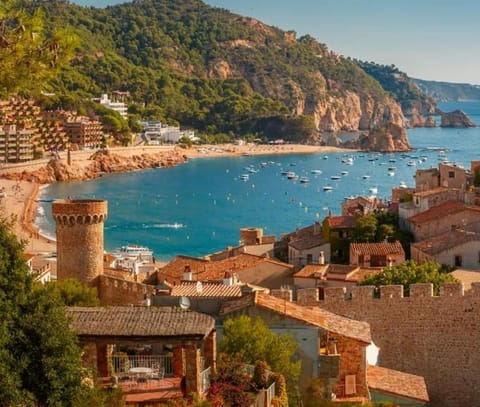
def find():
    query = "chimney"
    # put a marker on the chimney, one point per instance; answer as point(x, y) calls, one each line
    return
point(228, 279)
point(316, 228)
point(321, 258)
point(187, 274)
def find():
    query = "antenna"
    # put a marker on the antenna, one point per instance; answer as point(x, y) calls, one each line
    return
point(184, 303)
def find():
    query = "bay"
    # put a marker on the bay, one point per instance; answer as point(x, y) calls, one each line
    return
point(198, 208)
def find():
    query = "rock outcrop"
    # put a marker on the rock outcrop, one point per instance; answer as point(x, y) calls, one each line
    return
point(390, 138)
point(101, 163)
point(416, 120)
point(456, 119)
point(430, 122)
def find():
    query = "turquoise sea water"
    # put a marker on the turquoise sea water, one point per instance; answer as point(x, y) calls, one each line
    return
point(198, 208)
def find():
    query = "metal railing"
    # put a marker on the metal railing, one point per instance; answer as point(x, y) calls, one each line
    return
point(205, 379)
point(264, 397)
point(122, 363)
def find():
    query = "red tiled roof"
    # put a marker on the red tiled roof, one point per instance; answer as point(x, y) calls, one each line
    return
point(342, 222)
point(309, 315)
point(377, 249)
point(205, 270)
point(207, 289)
point(446, 241)
point(444, 209)
point(397, 383)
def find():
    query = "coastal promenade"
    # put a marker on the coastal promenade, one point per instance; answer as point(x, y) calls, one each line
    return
point(18, 199)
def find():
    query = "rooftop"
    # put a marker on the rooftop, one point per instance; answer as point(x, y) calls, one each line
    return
point(433, 191)
point(444, 209)
point(342, 222)
point(446, 241)
point(397, 383)
point(314, 316)
point(377, 249)
point(205, 289)
point(139, 322)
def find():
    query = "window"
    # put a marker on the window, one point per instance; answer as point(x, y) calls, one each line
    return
point(458, 261)
point(451, 174)
point(309, 259)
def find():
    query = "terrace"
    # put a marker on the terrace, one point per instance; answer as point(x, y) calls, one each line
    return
point(154, 354)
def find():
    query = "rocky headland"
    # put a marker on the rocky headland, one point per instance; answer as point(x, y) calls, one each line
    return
point(389, 138)
point(456, 119)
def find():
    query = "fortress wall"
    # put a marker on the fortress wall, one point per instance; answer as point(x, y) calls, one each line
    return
point(116, 291)
point(437, 337)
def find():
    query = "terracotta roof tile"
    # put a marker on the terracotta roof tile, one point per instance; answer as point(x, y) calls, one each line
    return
point(397, 383)
point(208, 289)
point(444, 209)
point(205, 270)
point(139, 321)
point(446, 241)
point(377, 249)
point(309, 315)
point(342, 222)
point(360, 273)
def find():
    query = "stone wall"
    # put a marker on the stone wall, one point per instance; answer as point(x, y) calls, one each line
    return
point(116, 291)
point(432, 336)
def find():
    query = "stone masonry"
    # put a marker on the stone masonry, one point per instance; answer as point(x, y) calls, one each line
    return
point(79, 238)
point(436, 337)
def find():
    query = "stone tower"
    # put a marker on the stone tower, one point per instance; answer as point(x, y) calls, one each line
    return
point(79, 238)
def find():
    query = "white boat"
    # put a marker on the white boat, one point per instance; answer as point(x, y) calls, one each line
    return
point(244, 177)
point(403, 184)
point(316, 171)
point(133, 250)
point(327, 188)
point(392, 168)
point(292, 175)
point(344, 173)
point(391, 173)
point(366, 177)
point(335, 177)
point(373, 190)
point(304, 180)
point(411, 163)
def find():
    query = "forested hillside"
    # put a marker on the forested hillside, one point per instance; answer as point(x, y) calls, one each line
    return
point(185, 62)
point(404, 89)
point(449, 92)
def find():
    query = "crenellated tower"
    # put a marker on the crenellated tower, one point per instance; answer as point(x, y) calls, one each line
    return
point(80, 238)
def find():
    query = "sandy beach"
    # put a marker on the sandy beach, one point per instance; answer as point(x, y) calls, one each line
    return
point(18, 198)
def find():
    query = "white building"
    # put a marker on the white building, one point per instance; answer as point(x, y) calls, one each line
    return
point(119, 107)
point(154, 132)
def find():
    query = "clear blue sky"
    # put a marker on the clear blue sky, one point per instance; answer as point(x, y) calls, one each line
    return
point(428, 39)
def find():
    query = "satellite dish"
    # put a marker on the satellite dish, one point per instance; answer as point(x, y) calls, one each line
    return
point(199, 287)
point(184, 303)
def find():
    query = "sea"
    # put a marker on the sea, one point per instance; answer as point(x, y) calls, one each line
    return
point(199, 207)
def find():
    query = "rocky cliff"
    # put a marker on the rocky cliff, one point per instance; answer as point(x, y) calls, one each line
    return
point(390, 138)
point(99, 163)
point(456, 119)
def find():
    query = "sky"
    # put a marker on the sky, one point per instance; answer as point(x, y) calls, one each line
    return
point(427, 39)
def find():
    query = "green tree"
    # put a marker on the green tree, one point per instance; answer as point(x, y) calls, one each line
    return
point(29, 54)
point(253, 341)
point(72, 292)
point(366, 229)
point(40, 361)
point(409, 272)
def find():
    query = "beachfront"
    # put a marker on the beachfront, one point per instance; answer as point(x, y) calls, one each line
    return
point(19, 197)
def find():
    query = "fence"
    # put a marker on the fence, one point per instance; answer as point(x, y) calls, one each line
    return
point(121, 363)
